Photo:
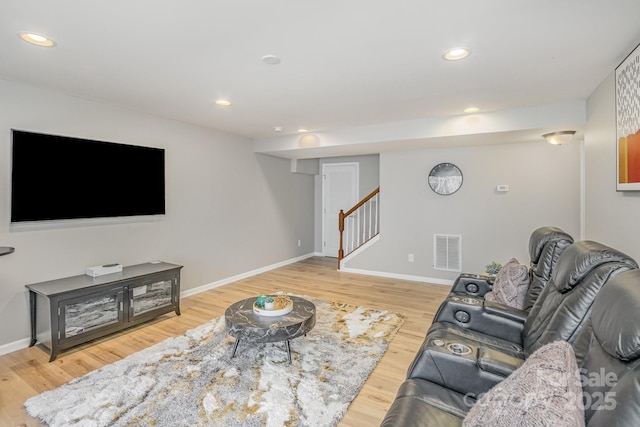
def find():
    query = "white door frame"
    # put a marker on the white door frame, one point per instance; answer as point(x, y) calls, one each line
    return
point(354, 191)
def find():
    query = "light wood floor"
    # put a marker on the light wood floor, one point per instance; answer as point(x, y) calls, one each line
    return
point(27, 372)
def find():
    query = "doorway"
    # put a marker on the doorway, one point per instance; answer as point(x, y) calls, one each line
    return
point(339, 191)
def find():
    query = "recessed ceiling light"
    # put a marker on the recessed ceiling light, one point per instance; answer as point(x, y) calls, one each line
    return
point(456, 53)
point(471, 110)
point(303, 130)
point(223, 102)
point(270, 59)
point(37, 39)
point(277, 128)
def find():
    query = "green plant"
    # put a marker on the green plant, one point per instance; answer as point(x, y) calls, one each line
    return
point(492, 268)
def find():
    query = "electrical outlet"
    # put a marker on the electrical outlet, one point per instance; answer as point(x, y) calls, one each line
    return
point(299, 243)
point(410, 257)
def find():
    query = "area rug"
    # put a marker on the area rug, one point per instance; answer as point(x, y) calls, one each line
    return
point(191, 380)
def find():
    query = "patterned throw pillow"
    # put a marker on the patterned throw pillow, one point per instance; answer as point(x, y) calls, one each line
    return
point(489, 296)
point(544, 391)
point(511, 284)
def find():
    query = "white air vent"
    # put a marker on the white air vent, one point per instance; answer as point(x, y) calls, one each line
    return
point(447, 252)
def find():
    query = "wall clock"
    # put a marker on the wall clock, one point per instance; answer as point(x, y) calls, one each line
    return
point(445, 178)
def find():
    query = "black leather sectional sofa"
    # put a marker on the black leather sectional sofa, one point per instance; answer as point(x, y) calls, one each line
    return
point(583, 293)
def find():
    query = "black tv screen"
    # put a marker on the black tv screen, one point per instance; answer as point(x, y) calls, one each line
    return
point(58, 177)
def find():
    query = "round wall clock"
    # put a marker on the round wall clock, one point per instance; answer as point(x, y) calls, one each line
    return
point(445, 178)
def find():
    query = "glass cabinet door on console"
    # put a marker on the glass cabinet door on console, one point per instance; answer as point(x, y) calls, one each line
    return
point(156, 294)
point(91, 314)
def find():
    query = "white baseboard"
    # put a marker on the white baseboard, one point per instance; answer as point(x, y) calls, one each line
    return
point(373, 241)
point(14, 346)
point(433, 280)
point(241, 276)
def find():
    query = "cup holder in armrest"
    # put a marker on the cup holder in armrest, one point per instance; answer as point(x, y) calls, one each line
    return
point(467, 300)
point(459, 349)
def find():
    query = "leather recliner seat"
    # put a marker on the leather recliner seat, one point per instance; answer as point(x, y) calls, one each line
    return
point(468, 361)
point(546, 244)
point(610, 370)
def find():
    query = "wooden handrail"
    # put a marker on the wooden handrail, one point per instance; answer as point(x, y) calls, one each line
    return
point(362, 202)
point(342, 215)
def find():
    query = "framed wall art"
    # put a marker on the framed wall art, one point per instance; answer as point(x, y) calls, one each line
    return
point(628, 122)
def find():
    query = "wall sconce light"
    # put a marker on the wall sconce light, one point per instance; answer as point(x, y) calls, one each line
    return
point(559, 138)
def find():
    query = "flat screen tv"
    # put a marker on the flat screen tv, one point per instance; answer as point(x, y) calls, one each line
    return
point(58, 177)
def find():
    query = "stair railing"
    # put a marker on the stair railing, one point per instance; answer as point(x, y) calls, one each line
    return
point(359, 224)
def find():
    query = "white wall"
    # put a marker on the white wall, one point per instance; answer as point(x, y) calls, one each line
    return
point(229, 210)
point(610, 217)
point(544, 185)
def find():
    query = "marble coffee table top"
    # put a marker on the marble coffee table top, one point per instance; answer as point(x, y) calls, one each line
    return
point(243, 324)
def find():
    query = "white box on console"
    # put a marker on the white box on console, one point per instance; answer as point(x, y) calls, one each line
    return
point(101, 270)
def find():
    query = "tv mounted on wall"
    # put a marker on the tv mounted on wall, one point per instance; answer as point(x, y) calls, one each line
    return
point(59, 177)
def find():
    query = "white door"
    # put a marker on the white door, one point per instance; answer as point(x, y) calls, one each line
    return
point(339, 191)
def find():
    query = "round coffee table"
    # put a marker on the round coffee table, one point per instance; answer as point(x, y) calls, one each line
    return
point(245, 325)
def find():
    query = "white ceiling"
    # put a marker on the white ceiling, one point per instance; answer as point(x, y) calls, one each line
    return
point(344, 63)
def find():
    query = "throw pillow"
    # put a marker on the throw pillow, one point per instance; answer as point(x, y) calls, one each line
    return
point(489, 296)
point(544, 391)
point(511, 284)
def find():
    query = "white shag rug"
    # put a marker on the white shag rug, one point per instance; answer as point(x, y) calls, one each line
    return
point(191, 380)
